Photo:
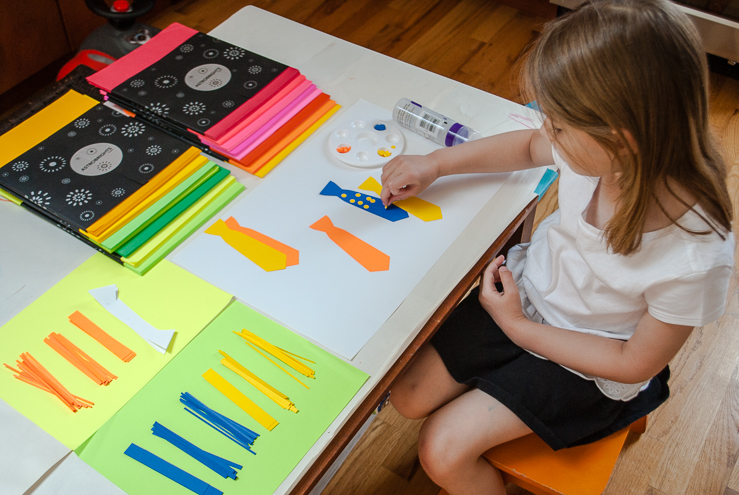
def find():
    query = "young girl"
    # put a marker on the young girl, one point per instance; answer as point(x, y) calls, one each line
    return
point(577, 343)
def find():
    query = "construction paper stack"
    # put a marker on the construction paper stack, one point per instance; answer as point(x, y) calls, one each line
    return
point(122, 186)
point(240, 105)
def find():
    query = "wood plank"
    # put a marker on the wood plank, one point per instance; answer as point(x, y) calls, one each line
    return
point(639, 458)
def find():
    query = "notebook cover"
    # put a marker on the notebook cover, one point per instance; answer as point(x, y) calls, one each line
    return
point(89, 165)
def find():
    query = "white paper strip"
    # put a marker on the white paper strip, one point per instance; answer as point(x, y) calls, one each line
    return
point(26, 451)
point(108, 298)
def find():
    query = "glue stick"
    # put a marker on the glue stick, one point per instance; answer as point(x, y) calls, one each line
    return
point(431, 125)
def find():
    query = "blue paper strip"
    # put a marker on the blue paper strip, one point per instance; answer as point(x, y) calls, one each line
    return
point(171, 471)
point(228, 427)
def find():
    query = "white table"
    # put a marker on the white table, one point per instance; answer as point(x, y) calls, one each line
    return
point(35, 255)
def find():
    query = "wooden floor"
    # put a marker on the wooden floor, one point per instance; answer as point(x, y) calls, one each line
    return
point(692, 443)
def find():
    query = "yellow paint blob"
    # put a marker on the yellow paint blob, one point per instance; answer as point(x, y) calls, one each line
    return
point(352, 200)
point(357, 194)
point(366, 207)
point(384, 153)
point(360, 203)
point(343, 195)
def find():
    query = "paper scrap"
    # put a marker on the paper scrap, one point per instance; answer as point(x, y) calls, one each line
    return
point(108, 298)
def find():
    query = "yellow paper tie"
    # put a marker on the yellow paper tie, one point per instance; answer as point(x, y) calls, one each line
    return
point(417, 207)
point(277, 397)
point(266, 257)
point(241, 400)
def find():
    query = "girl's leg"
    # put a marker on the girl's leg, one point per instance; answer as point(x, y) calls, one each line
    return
point(425, 386)
point(453, 439)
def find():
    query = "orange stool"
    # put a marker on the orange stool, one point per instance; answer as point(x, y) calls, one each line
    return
point(585, 470)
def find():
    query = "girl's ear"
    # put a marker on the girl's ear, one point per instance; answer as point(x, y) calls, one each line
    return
point(629, 139)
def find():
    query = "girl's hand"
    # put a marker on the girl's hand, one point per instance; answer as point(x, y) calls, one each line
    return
point(504, 307)
point(406, 176)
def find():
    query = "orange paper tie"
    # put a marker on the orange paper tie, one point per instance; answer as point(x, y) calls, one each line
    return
point(368, 256)
point(83, 323)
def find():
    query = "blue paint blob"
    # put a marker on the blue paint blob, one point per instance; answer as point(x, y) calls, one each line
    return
point(380, 127)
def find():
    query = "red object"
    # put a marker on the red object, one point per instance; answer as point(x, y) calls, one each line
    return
point(92, 58)
point(121, 6)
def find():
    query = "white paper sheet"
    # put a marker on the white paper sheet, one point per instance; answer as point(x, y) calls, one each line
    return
point(108, 298)
point(26, 451)
point(74, 477)
point(328, 296)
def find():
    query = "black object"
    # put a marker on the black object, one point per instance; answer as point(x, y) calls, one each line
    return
point(122, 34)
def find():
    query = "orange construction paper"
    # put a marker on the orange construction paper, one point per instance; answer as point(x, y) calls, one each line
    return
point(285, 133)
point(368, 256)
point(83, 323)
point(292, 254)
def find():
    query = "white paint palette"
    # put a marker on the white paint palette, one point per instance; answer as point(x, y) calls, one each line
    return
point(366, 143)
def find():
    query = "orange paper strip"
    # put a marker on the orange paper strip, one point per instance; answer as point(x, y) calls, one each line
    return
point(79, 359)
point(368, 256)
point(83, 323)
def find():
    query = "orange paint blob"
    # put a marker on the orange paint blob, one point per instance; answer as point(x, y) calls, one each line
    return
point(343, 149)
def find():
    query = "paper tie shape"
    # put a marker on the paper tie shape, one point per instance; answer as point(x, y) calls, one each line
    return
point(83, 323)
point(171, 471)
point(34, 374)
point(269, 254)
point(228, 427)
point(275, 395)
point(428, 212)
point(241, 400)
point(224, 467)
point(366, 203)
point(368, 256)
point(108, 298)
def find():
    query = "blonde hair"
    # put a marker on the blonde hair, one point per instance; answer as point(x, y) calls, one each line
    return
point(636, 66)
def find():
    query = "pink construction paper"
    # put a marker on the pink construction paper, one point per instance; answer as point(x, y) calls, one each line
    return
point(258, 112)
point(217, 132)
point(273, 125)
point(269, 113)
point(143, 57)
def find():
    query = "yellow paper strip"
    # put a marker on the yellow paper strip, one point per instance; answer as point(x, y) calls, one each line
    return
point(417, 207)
point(278, 353)
point(275, 395)
point(241, 400)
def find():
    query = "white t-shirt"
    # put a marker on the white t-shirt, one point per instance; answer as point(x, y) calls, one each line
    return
point(567, 278)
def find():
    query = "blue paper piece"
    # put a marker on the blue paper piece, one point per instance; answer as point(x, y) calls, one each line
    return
point(224, 467)
point(228, 427)
point(547, 179)
point(370, 204)
point(171, 471)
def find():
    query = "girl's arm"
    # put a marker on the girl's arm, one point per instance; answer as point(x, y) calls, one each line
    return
point(638, 359)
point(408, 175)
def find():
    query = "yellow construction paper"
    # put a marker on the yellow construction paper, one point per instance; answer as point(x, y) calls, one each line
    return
point(42, 125)
point(266, 257)
point(290, 147)
point(240, 399)
point(167, 297)
point(150, 192)
point(417, 207)
point(144, 252)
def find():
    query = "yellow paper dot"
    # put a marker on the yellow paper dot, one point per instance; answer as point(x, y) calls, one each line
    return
point(352, 200)
point(343, 195)
point(366, 206)
point(357, 194)
point(360, 203)
point(371, 200)
point(393, 147)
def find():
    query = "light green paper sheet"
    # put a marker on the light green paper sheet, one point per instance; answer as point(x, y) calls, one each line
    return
point(278, 451)
point(159, 208)
point(204, 213)
point(168, 297)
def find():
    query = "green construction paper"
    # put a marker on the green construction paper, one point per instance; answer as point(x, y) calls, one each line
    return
point(277, 451)
point(168, 297)
point(153, 212)
point(191, 226)
point(147, 233)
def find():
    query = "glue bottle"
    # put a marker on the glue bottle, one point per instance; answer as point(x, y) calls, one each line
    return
point(431, 125)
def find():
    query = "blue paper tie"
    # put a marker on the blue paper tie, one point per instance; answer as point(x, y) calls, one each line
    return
point(364, 202)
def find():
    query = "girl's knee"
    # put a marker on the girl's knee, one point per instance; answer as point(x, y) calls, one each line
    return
point(439, 452)
point(406, 402)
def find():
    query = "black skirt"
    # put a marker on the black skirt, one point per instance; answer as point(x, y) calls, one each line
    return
point(562, 408)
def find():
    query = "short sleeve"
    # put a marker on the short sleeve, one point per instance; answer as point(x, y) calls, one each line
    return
point(694, 300)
